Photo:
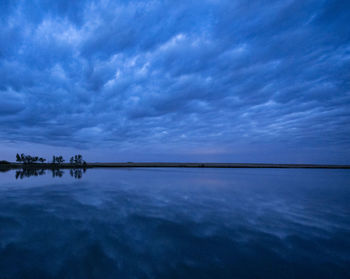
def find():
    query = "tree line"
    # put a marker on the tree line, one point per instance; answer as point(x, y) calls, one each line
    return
point(57, 160)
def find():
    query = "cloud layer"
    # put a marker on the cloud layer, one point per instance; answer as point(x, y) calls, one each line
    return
point(203, 76)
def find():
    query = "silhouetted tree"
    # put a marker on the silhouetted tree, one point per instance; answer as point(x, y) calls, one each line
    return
point(78, 159)
point(60, 160)
point(28, 159)
point(57, 160)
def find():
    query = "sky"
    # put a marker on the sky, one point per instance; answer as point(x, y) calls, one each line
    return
point(208, 80)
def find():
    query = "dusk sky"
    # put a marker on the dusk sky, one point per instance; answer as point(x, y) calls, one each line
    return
point(209, 80)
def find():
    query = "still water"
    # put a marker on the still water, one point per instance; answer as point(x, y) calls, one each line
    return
point(176, 223)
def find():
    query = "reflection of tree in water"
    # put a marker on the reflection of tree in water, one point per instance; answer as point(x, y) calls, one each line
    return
point(28, 172)
point(57, 172)
point(77, 173)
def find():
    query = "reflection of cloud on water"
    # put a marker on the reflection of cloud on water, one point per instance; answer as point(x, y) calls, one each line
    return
point(148, 225)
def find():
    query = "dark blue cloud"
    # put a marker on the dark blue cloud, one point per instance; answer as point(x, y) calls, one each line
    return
point(201, 77)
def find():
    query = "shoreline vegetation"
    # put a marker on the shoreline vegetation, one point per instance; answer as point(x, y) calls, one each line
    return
point(11, 165)
point(76, 162)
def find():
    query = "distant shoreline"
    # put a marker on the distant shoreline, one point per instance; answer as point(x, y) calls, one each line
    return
point(170, 165)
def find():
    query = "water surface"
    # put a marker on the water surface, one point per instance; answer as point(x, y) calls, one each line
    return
point(176, 223)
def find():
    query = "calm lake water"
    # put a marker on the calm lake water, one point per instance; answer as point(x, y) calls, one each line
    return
point(176, 223)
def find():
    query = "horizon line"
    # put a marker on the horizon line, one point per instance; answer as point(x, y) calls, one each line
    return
point(175, 165)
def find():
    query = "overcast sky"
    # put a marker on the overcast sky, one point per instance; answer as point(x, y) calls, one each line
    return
point(208, 80)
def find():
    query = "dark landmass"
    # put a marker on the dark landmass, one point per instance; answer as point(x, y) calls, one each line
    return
point(215, 165)
point(166, 165)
